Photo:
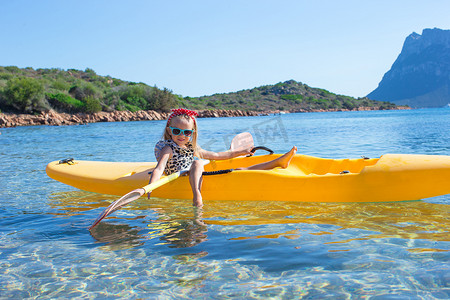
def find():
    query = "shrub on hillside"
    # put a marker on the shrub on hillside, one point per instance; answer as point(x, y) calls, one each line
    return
point(84, 91)
point(92, 105)
point(61, 85)
point(64, 102)
point(347, 104)
point(25, 94)
point(162, 100)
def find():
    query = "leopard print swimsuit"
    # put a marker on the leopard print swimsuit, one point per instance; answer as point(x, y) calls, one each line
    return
point(182, 158)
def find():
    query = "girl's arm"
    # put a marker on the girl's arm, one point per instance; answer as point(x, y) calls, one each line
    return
point(166, 154)
point(224, 155)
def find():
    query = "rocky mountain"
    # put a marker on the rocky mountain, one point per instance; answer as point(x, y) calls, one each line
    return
point(420, 77)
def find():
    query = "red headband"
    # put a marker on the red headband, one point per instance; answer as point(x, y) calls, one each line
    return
point(182, 111)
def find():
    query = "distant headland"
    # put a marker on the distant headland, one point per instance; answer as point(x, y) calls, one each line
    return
point(420, 76)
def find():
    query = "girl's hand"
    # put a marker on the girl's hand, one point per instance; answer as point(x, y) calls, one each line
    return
point(246, 152)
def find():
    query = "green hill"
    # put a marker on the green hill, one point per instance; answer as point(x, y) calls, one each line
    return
point(28, 90)
point(290, 96)
point(31, 91)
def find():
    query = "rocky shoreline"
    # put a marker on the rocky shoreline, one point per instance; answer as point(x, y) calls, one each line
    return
point(54, 118)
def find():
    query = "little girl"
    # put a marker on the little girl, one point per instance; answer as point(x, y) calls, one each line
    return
point(179, 146)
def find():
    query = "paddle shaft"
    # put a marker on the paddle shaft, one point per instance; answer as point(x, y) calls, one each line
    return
point(136, 194)
point(163, 180)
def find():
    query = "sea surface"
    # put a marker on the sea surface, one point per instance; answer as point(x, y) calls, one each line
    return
point(166, 249)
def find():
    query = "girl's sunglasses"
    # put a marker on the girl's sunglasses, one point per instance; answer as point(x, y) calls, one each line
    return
point(178, 131)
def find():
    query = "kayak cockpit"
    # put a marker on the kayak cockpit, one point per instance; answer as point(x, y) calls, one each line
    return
point(322, 166)
point(301, 165)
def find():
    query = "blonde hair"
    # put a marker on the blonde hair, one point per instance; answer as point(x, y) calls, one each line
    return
point(193, 140)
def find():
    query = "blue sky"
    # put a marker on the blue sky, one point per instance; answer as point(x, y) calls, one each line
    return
point(200, 48)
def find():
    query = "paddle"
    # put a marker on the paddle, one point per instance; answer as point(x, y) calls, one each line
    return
point(239, 142)
point(242, 141)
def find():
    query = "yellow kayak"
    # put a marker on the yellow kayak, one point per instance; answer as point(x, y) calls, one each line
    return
point(392, 177)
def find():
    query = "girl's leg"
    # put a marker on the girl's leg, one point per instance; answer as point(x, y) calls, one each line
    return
point(195, 179)
point(282, 162)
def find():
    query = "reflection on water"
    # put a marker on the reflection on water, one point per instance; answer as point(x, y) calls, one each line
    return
point(179, 230)
point(117, 236)
point(176, 223)
point(179, 233)
point(176, 233)
point(408, 220)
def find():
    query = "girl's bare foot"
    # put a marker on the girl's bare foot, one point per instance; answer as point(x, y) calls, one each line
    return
point(284, 160)
point(197, 201)
point(280, 162)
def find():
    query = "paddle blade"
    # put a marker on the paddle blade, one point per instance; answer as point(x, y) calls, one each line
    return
point(136, 194)
point(124, 200)
point(242, 141)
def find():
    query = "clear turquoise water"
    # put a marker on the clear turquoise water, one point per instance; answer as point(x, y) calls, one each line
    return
point(162, 249)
